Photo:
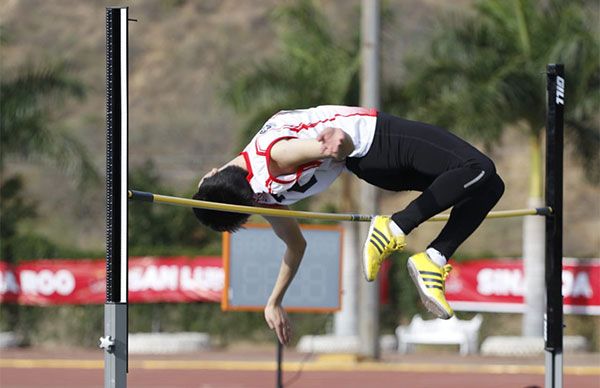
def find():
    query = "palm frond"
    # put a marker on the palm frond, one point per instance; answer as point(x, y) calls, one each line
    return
point(484, 70)
point(28, 99)
point(312, 68)
point(587, 143)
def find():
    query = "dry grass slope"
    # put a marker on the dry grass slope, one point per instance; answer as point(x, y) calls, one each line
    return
point(182, 52)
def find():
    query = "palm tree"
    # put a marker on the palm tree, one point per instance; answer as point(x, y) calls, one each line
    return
point(483, 72)
point(27, 101)
point(311, 68)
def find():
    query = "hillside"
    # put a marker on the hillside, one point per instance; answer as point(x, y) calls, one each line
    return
point(182, 54)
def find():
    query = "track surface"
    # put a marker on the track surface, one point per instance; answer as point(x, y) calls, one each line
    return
point(68, 368)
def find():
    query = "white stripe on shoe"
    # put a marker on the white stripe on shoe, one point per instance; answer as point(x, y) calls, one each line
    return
point(430, 302)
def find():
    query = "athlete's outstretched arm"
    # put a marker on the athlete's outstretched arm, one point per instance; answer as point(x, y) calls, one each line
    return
point(287, 155)
point(288, 230)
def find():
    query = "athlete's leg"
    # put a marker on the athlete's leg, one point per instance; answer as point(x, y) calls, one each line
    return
point(467, 215)
point(462, 177)
point(451, 188)
point(428, 270)
point(408, 155)
point(446, 169)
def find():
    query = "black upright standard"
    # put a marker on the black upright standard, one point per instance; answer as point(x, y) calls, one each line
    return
point(553, 331)
point(114, 341)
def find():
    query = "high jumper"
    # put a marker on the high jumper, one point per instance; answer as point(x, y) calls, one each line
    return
point(299, 153)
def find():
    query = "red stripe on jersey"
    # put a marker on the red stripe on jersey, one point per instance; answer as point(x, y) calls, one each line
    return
point(258, 152)
point(298, 128)
point(268, 157)
point(268, 185)
point(267, 152)
point(248, 166)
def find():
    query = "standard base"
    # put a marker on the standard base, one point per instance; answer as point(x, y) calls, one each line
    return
point(115, 359)
point(554, 369)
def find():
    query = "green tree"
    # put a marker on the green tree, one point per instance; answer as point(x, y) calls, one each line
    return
point(29, 96)
point(14, 208)
point(484, 72)
point(29, 99)
point(311, 68)
point(27, 132)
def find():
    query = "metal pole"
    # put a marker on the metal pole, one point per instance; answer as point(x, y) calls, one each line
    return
point(369, 97)
point(553, 327)
point(279, 365)
point(345, 322)
point(114, 341)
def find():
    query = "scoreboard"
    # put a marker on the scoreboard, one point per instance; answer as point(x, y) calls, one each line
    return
point(252, 258)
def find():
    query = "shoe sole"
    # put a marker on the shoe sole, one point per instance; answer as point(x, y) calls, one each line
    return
point(430, 303)
point(365, 264)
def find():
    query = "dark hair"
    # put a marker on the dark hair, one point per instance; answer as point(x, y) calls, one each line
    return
point(227, 186)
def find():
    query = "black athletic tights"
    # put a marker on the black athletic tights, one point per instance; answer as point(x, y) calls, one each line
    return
point(409, 155)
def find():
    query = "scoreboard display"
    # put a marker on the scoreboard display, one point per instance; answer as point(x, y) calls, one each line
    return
point(252, 258)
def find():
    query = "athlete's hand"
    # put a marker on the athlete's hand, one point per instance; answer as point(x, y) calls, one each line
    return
point(334, 143)
point(278, 320)
point(208, 175)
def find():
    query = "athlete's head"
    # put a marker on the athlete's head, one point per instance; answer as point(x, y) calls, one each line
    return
point(226, 186)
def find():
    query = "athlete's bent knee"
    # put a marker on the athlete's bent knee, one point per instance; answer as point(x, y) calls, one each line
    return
point(487, 165)
point(497, 186)
point(484, 175)
point(482, 171)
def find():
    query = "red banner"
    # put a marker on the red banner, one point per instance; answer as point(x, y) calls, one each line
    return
point(498, 286)
point(479, 285)
point(151, 279)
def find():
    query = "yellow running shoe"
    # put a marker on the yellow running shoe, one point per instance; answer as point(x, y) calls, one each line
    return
point(430, 281)
point(379, 245)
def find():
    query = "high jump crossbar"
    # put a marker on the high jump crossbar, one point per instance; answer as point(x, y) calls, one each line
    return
point(275, 212)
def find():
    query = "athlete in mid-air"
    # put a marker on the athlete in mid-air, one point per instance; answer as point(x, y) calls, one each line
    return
point(299, 153)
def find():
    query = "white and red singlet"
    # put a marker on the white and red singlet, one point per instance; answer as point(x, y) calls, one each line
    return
point(313, 177)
